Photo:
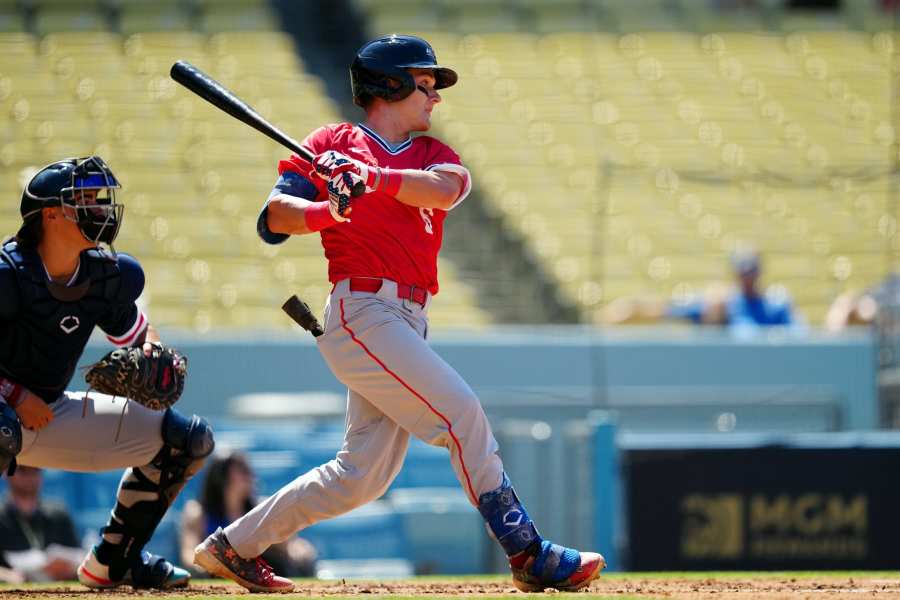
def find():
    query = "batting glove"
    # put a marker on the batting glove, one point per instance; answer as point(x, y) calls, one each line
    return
point(340, 193)
point(331, 163)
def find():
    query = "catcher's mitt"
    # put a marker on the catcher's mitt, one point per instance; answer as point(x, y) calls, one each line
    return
point(155, 381)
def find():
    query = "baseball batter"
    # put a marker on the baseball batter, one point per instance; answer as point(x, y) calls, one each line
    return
point(382, 259)
point(56, 285)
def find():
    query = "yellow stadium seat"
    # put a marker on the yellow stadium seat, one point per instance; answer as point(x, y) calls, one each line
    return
point(67, 18)
point(236, 15)
point(136, 16)
point(401, 16)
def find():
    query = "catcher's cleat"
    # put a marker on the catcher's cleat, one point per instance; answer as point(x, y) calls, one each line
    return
point(149, 572)
point(554, 566)
point(217, 556)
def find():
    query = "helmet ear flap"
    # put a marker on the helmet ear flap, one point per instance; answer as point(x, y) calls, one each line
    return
point(388, 82)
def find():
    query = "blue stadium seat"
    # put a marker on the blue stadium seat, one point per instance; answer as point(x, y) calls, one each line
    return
point(273, 469)
point(371, 531)
point(165, 538)
point(64, 487)
point(98, 490)
point(426, 466)
point(444, 531)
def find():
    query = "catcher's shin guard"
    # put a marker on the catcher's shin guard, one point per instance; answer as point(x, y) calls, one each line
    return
point(145, 493)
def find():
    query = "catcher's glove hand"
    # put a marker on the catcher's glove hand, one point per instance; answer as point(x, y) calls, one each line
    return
point(155, 381)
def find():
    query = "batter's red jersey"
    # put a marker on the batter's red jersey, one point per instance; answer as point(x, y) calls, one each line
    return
point(384, 238)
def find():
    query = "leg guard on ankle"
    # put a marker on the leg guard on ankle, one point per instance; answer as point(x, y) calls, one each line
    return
point(555, 563)
point(507, 520)
point(146, 493)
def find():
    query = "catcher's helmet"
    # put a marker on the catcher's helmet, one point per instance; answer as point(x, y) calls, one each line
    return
point(56, 185)
point(380, 68)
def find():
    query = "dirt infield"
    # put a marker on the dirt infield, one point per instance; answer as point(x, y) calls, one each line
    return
point(617, 586)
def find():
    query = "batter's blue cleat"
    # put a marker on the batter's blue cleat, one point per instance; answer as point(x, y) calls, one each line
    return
point(554, 566)
point(148, 572)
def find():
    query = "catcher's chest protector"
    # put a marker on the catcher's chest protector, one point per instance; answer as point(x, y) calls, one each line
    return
point(41, 348)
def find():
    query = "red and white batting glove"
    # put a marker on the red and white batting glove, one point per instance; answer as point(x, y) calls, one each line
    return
point(376, 179)
point(340, 193)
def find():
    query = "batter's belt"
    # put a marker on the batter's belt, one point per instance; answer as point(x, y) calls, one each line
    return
point(404, 292)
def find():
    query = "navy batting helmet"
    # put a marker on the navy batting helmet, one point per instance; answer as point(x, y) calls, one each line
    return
point(380, 68)
point(61, 183)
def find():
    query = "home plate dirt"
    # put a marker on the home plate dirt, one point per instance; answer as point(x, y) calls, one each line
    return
point(756, 587)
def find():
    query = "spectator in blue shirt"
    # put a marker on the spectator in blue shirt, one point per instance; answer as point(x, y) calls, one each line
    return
point(747, 306)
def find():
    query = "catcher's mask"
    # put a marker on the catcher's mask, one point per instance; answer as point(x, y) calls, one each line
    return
point(85, 189)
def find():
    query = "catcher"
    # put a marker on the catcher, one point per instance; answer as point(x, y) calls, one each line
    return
point(56, 284)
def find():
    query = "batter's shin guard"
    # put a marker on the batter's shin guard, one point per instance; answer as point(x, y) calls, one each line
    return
point(507, 520)
point(536, 564)
point(145, 493)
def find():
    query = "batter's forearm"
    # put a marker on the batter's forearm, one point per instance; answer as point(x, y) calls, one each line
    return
point(429, 189)
point(285, 214)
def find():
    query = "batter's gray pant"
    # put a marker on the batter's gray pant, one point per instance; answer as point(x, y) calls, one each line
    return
point(375, 344)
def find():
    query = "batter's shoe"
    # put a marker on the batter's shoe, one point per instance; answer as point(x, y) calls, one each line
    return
point(217, 556)
point(554, 566)
point(148, 572)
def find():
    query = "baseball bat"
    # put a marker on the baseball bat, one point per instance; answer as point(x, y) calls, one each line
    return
point(221, 97)
point(300, 312)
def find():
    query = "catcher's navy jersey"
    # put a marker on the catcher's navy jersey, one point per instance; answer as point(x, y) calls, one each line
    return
point(44, 326)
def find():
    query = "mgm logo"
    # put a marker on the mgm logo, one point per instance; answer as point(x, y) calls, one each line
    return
point(774, 526)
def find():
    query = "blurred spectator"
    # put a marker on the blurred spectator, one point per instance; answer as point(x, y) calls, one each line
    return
point(747, 306)
point(228, 493)
point(742, 307)
point(862, 308)
point(37, 540)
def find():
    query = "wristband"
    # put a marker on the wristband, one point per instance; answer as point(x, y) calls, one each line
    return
point(384, 180)
point(318, 216)
point(11, 392)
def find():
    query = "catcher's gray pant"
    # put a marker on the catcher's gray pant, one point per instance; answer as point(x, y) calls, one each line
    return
point(375, 344)
point(94, 435)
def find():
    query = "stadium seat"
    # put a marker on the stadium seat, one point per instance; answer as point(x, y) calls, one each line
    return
point(446, 514)
point(163, 15)
point(373, 530)
point(236, 15)
point(397, 16)
point(51, 20)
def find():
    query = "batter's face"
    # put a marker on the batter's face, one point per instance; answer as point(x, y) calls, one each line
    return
point(415, 109)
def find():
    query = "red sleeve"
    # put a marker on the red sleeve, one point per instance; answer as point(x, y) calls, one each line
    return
point(441, 154)
point(442, 158)
point(317, 142)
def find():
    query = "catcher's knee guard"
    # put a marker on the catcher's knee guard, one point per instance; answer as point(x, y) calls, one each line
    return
point(145, 493)
point(507, 520)
point(10, 438)
point(186, 444)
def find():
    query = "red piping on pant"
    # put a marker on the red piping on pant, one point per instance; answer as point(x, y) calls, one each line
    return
point(462, 462)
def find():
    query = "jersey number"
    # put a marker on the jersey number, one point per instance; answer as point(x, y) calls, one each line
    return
point(426, 214)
